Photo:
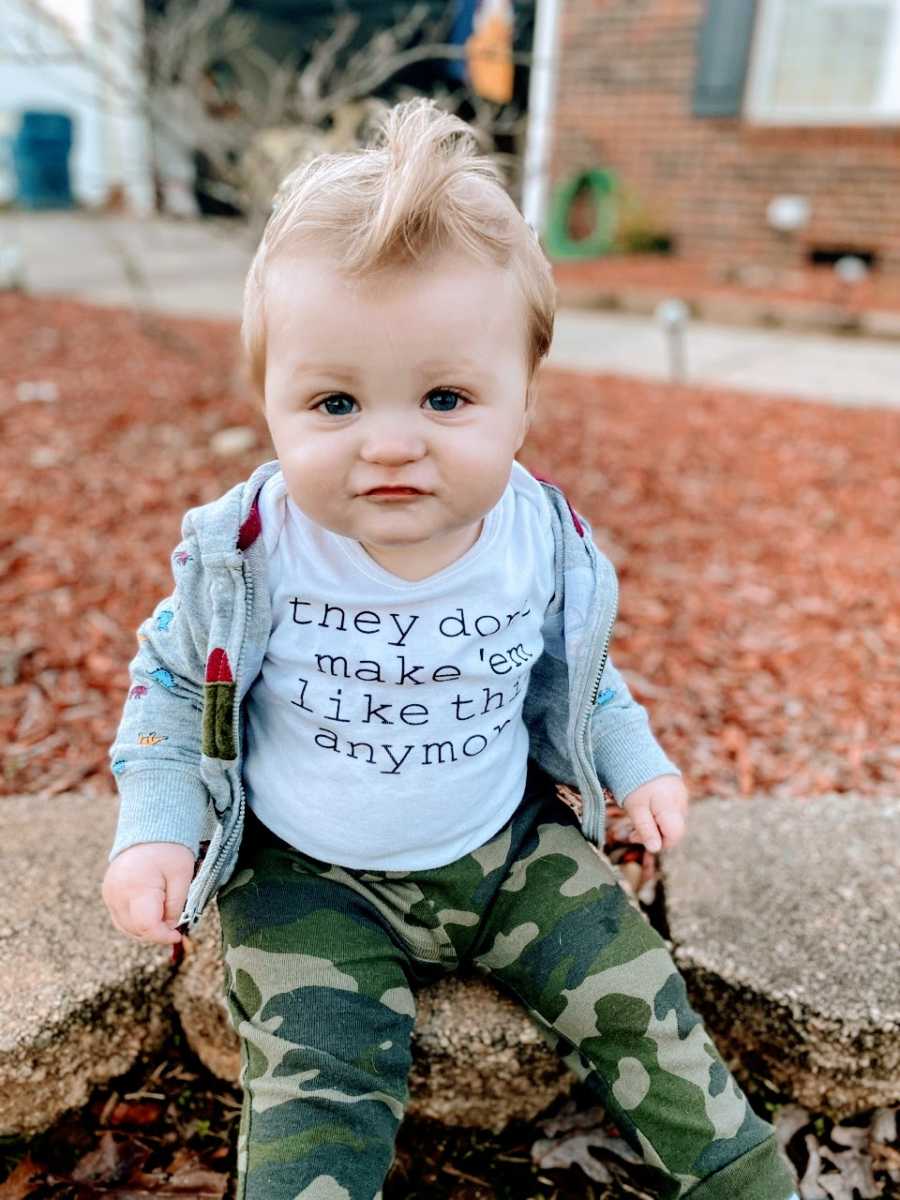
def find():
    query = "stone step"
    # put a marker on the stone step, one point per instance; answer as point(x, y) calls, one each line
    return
point(761, 896)
point(783, 915)
point(79, 1002)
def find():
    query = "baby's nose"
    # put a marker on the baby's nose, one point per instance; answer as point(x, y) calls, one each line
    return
point(391, 443)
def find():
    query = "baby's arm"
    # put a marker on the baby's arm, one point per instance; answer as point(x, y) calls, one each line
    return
point(632, 764)
point(156, 759)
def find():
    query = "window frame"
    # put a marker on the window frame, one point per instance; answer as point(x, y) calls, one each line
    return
point(758, 110)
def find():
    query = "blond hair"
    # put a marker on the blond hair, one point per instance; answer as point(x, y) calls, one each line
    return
point(418, 186)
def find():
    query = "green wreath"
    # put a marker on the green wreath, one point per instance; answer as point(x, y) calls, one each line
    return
point(602, 186)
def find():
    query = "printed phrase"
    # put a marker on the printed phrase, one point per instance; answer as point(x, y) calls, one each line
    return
point(404, 647)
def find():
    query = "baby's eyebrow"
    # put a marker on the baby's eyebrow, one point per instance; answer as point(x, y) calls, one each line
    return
point(456, 364)
point(335, 372)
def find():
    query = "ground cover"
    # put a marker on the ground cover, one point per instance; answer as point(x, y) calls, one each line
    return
point(167, 1130)
point(755, 541)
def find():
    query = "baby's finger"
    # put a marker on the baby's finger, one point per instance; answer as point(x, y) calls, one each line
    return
point(671, 824)
point(174, 906)
point(146, 913)
point(118, 913)
point(645, 828)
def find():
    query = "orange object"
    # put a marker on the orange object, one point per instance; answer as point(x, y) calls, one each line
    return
point(489, 51)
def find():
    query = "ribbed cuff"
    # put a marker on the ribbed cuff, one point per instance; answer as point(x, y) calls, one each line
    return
point(761, 1174)
point(629, 757)
point(160, 806)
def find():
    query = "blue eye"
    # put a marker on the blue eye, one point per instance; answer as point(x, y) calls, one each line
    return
point(338, 400)
point(448, 393)
point(442, 400)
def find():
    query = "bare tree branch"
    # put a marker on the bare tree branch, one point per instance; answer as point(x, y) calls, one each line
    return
point(176, 50)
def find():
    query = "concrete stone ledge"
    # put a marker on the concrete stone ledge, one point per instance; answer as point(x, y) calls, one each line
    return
point(881, 323)
point(783, 915)
point(736, 309)
point(78, 1002)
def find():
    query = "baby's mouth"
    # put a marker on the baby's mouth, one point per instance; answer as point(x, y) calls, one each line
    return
point(394, 491)
point(394, 495)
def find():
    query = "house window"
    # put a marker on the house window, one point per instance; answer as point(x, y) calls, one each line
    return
point(825, 62)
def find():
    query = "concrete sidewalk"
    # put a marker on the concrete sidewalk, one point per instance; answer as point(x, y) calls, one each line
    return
point(198, 268)
point(837, 370)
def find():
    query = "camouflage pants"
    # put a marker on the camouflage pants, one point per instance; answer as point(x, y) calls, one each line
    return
point(320, 961)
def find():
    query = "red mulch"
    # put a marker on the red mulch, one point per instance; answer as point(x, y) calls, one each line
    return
point(756, 545)
point(755, 541)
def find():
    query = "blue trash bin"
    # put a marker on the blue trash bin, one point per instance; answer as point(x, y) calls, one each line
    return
point(41, 160)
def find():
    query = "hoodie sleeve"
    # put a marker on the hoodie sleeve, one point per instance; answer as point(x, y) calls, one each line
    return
point(155, 758)
point(626, 754)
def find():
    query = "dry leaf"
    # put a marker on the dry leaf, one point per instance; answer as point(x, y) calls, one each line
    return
point(788, 1121)
point(884, 1126)
point(113, 1160)
point(571, 1151)
point(572, 1133)
point(809, 1186)
point(855, 1173)
point(19, 1183)
point(142, 1113)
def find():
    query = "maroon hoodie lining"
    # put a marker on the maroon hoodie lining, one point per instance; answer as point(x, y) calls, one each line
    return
point(575, 521)
point(252, 527)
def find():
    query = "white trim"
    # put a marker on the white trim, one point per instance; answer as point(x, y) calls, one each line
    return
point(760, 110)
point(541, 103)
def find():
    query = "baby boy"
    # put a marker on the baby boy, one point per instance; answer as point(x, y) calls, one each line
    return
point(382, 653)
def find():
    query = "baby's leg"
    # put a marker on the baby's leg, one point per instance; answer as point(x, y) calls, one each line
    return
point(599, 981)
point(319, 996)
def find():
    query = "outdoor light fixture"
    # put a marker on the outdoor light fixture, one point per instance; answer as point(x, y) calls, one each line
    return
point(788, 214)
point(12, 267)
point(673, 315)
point(850, 269)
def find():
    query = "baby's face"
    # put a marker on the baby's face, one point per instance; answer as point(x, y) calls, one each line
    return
point(415, 378)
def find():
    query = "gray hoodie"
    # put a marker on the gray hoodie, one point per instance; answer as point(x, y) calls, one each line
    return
point(177, 753)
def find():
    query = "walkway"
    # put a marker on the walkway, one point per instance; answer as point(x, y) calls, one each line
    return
point(198, 268)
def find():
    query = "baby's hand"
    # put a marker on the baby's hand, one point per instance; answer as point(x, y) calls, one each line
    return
point(658, 807)
point(145, 888)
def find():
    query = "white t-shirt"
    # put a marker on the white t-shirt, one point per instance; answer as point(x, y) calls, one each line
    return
point(385, 729)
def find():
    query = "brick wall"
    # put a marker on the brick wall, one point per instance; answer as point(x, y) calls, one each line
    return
point(624, 101)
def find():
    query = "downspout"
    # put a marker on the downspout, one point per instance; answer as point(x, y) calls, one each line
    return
point(541, 101)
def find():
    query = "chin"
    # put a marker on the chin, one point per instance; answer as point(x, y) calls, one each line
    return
point(384, 543)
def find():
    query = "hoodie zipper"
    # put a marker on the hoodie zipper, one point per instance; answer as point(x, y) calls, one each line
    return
point(596, 689)
point(593, 811)
point(226, 846)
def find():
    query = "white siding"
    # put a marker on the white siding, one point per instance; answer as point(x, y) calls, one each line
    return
point(47, 64)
